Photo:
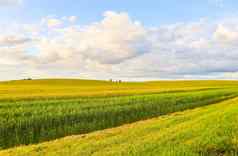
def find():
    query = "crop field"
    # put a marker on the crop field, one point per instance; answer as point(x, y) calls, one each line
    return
point(37, 111)
point(58, 88)
point(206, 131)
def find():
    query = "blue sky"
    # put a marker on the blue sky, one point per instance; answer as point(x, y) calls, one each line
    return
point(150, 12)
point(126, 39)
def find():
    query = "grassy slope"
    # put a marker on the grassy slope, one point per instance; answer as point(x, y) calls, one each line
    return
point(69, 87)
point(208, 131)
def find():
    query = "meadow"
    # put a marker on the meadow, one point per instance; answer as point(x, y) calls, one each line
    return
point(36, 111)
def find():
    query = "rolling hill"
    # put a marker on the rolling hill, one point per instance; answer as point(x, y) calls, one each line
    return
point(169, 118)
point(51, 88)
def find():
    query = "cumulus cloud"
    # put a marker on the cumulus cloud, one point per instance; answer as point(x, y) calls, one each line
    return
point(111, 41)
point(119, 47)
point(226, 34)
point(13, 40)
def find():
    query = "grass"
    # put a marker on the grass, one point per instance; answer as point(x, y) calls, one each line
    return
point(26, 122)
point(207, 131)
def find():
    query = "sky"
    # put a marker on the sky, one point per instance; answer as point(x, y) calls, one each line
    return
point(128, 40)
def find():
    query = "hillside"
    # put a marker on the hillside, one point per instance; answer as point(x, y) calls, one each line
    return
point(208, 131)
point(48, 88)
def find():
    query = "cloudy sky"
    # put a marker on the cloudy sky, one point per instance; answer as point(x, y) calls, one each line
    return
point(126, 39)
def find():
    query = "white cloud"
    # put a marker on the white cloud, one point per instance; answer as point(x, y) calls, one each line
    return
point(13, 40)
point(73, 19)
point(51, 22)
point(111, 41)
point(119, 47)
point(10, 2)
point(225, 34)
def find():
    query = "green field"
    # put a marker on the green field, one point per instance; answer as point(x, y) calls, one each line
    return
point(36, 111)
point(205, 131)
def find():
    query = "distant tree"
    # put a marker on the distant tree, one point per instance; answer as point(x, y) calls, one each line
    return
point(29, 79)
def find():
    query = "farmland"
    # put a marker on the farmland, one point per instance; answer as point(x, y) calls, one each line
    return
point(37, 111)
point(206, 131)
point(58, 88)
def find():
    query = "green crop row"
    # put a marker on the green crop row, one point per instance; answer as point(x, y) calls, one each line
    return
point(207, 131)
point(26, 122)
